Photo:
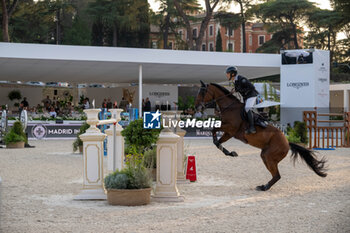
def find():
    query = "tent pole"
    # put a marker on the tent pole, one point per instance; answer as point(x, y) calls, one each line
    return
point(140, 91)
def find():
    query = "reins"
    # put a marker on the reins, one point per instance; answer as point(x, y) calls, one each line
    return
point(205, 105)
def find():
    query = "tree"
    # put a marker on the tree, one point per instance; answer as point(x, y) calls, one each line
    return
point(218, 47)
point(281, 38)
point(244, 6)
point(210, 6)
point(166, 18)
point(78, 34)
point(288, 14)
point(163, 19)
point(228, 20)
point(325, 25)
point(120, 22)
point(7, 9)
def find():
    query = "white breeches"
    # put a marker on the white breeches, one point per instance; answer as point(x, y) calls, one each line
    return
point(249, 104)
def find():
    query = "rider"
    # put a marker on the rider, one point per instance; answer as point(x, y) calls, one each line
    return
point(248, 92)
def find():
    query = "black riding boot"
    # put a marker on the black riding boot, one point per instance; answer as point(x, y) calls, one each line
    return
point(251, 128)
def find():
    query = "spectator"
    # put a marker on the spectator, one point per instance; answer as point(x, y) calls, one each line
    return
point(115, 105)
point(86, 103)
point(109, 103)
point(53, 113)
point(143, 105)
point(104, 103)
point(147, 105)
point(204, 114)
point(47, 103)
point(20, 109)
point(198, 114)
point(123, 104)
point(25, 102)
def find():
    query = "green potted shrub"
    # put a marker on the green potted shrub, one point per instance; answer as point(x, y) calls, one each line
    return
point(142, 141)
point(136, 136)
point(15, 137)
point(131, 186)
point(298, 134)
point(78, 143)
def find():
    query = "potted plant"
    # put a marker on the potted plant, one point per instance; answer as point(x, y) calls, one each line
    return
point(142, 141)
point(15, 137)
point(131, 186)
point(298, 134)
point(78, 143)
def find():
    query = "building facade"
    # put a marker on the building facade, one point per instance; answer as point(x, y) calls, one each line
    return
point(232, 41)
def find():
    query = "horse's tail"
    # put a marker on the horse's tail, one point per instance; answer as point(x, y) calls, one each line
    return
point(318, 166)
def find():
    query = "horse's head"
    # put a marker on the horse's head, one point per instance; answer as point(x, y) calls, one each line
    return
point(204, 96)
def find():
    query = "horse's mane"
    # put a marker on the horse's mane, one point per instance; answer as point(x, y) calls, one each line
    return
point(224, 90)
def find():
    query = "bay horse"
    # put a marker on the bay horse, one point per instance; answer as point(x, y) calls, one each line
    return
point(272, 142)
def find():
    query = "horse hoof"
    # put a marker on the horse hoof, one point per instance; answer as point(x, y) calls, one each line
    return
point(233, 154)
point(261, 188)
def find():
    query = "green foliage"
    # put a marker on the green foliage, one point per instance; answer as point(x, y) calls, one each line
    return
point(229, 20)
point(187, 103)
point(14, 95)
point(298, 134)
point(325, 25)
point(136, 136)
point(133, 176)
point(301, 131)
point(150, 158)
point(81, 100)
point(16, 134)
point(285, 16)
point(265, 92)
point(78, 142)
point(78, 34)
point(116, 181)
point(293, 138)
point(218, 46)
point(123, 23)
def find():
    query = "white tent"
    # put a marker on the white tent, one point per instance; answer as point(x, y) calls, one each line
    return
point(87, 64)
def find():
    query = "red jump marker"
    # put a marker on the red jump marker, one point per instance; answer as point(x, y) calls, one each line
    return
point(191, 169)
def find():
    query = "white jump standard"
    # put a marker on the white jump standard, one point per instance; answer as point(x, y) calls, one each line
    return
point(93, 157)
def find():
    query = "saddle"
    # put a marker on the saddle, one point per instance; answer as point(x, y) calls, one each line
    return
point(259, 120)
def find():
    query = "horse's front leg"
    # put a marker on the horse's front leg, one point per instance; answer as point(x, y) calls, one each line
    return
point(218, 143)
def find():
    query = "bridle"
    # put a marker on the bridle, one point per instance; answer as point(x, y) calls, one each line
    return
point(205, 105)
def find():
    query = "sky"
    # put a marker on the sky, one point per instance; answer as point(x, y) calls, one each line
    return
point(323, 4)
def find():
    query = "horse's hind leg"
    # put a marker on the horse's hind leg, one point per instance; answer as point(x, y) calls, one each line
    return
point(271, 161)
point(218, 144)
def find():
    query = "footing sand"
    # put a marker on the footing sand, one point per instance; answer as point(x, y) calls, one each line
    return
point(38, 186)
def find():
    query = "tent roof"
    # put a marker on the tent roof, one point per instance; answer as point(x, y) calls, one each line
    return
point(87, 64)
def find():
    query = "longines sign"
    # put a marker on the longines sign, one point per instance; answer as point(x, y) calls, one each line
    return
point(298, 85)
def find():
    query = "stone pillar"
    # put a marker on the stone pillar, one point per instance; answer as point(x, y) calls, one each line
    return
point(92, 159)
point(181, 178)
point(115, 156)
point(166, 189)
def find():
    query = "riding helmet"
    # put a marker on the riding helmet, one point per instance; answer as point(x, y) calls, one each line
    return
point(231, 70)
